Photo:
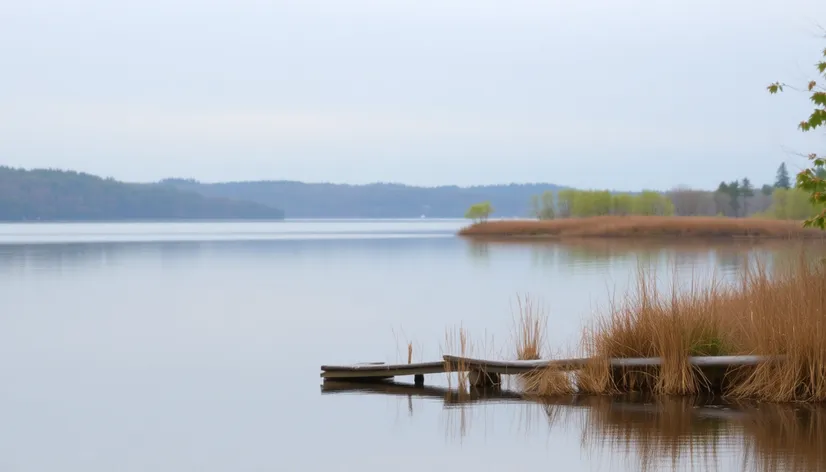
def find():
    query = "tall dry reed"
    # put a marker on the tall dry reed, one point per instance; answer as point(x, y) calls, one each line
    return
point(650, 323)
point(531, 325)
point(781, 311)
point(771, 311)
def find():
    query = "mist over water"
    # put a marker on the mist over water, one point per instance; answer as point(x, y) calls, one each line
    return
point(197, 346)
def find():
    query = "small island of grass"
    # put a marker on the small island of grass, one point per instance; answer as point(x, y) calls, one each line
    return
point(641, 227)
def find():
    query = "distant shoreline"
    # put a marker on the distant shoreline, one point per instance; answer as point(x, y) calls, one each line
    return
point(656, 227)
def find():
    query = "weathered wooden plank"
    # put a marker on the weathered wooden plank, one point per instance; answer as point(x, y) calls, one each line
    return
point(455, 363)
point(380, 370)
point(523, 367)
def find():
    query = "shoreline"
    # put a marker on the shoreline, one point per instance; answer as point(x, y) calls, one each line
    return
point(641, 227)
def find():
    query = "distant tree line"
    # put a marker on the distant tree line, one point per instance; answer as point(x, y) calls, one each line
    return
point(737, 198)
point(581, 203)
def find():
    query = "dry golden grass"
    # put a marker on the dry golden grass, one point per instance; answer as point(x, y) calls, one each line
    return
point(642, 226)
point(773, 312)
point(782, 313)
point(457, 342)
point(650, 324)
point(531, 324)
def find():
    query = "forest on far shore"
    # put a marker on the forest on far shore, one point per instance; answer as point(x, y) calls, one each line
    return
point(57, 195)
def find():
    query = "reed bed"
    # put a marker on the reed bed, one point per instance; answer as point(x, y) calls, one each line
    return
point(642, 226)
point(772, 311)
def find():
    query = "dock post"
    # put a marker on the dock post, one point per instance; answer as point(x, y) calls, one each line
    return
point(481, 379)
point(418, 379)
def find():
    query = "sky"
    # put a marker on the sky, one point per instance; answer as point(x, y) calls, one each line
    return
point(612, 94)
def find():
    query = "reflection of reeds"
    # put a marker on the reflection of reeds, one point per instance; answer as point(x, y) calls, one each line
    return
point(665, 431)
point(651, 431)
point(786, 438)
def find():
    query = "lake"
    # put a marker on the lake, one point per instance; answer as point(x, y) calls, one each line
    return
point(197, 346)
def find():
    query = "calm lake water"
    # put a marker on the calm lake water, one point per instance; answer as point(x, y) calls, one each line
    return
point(197, 346)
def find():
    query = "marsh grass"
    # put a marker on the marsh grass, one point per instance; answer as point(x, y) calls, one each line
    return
point(775, 310)
point(531, 323)
point(530, 329)
point(781, 312)
point(457, 342)
point(649, 323)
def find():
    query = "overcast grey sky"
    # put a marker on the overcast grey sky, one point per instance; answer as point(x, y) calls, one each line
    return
point(622, 94)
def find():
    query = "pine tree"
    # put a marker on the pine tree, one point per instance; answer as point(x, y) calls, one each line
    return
point(782, 180)
point(746, 190)
point(734, 192)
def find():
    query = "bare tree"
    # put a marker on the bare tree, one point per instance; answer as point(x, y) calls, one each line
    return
point(692, 202)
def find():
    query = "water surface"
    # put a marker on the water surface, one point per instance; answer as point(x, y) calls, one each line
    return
point(196, 346)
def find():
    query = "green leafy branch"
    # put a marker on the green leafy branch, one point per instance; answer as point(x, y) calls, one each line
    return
point(809, 179)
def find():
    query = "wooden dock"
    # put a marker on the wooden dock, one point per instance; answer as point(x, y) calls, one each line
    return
point(488, 373)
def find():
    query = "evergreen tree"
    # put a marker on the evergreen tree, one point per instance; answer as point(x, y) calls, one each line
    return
point(782, 180)
point(746, 190)
point(733, 191)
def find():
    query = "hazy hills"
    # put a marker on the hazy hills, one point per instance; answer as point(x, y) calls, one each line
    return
point(59, 195)
point(55, 195)
point(380, 200)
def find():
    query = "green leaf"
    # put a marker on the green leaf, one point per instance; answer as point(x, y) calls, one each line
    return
point(775, 87)
point(821, 66)
point(819, 98)
point(816, 118)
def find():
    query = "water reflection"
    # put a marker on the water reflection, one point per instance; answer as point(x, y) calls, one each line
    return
point(729, 257)
point(649, 433)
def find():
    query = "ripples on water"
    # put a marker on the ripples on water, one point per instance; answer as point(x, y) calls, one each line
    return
point(196, 346)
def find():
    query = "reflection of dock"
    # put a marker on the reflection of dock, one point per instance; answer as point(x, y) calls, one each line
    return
point(645, 427)
point(449, 396)
point(454, 398)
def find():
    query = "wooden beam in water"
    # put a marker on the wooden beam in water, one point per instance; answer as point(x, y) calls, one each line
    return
point(524, 367)
point(379, 371)
point(376, 371)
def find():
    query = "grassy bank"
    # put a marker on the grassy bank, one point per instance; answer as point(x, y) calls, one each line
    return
point(640, 227)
